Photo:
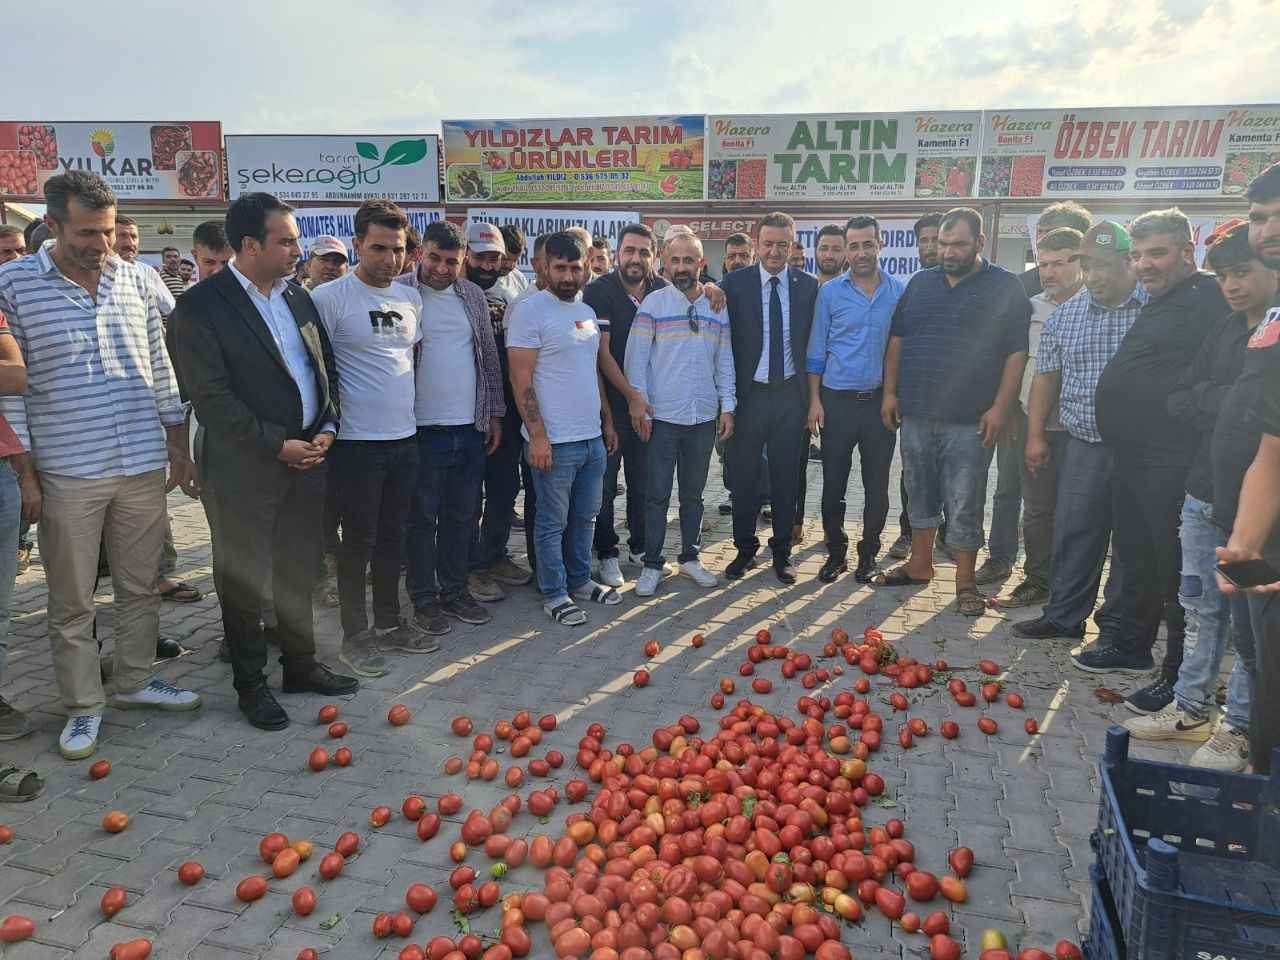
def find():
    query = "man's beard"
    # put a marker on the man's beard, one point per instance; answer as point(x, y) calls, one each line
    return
point(566, 290)
point(633, 272)
point(959, 269)
point(684, 282)
point(484, 279)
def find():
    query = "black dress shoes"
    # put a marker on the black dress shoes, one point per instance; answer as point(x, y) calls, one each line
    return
point(836, 564)
point(740, 564)
point(783, 570)
point(320, 679)
point(865, 570)
point(1042, 628)
point(262, 710)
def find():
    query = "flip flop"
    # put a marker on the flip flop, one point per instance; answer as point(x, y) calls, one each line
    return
point(567, 613)
point(598, 593)
point(970, 602)
point(18, 785)
point(181, 592)
point(897, 577)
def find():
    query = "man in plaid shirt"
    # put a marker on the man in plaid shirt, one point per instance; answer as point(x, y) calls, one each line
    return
point(1078, 341)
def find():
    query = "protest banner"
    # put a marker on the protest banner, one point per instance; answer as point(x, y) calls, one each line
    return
point(340, 222)
point(537, 221)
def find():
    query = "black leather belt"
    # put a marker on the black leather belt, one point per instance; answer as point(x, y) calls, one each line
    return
point(857, 394)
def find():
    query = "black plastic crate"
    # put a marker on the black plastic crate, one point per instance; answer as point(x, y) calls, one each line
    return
point(1191, 858)
point(1103, 942)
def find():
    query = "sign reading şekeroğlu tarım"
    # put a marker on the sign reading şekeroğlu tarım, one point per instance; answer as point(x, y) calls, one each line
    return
point(336, 169)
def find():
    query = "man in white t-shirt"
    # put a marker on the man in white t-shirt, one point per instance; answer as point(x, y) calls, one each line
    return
point(679, 360)
point(553, 348)
point(373, 323)
point(459, 413)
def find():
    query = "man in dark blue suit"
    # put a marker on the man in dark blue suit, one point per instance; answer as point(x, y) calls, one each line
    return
point(770, 313)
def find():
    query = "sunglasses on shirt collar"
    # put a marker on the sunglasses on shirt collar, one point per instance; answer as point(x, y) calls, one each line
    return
point(692, 314)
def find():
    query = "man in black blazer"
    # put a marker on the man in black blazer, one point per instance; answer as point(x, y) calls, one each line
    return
point(258, 369)
point(770, 314)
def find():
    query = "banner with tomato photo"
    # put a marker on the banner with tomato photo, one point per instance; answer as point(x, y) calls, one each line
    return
point(843, 156)
point(179, 160)
point(1153, 153)
point(613, 159)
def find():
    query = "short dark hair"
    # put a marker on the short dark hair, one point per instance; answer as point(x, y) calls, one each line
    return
point(247, 217)
point(599, 243)
point(445, 235)
point(123, 221)
point(211, 235)
point(858, 221)
point(512, 239)
point(565, 246)
point(779, 219)
point(1232, 249)
point(540, 243)
point(380, 212)
point(639, 230)
point(1265, 187)
point(1171, 222)
point(36, 232)
point(737, 240)
point(89, 190)
point(1061, 238)
point(412, 239)
point(189, 263)
point(966, 215)
point(830, 230)
point(933, 219)
point(164, 250)
point(1065, 213)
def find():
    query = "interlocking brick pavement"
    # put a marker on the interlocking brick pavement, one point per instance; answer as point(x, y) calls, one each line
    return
point(206, 786)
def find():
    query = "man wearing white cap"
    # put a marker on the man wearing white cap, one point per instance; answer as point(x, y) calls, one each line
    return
point(491, 564)
point(328, 260)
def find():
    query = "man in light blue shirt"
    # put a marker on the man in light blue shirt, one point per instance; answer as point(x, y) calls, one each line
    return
point(679, 359)
point(846, 374)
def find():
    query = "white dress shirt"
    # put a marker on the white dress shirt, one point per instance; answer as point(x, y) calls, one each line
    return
point(279, 319)
point(784, 294)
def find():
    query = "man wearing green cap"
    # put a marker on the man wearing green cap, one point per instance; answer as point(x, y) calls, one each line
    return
point(1078, 341)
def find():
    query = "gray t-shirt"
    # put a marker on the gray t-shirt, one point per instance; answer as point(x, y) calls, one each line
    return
point(373, 330)
point(446, 367)
point(567, 338)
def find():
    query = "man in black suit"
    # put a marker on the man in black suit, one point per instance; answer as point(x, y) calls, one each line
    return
point(258, 369)
point(770, 313)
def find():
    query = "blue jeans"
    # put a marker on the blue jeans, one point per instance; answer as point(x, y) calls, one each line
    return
point(1006, 505)
point(1211, 615)
point(10, 520)
point(946, 469)
point(568, 501)
point(676, 448)
point(442, 519)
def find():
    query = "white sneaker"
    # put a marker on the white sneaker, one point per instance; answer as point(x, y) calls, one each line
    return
point(647, 585)
point(635, 559)
point(1227, 751)
point(1170, 724)
point(157, 695)
point(611, 572)
point(80, 736)
point(695, 571)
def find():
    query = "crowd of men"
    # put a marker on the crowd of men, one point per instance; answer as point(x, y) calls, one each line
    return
point(389, 411)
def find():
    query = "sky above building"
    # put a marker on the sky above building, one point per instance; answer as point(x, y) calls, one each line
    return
point(401, 67)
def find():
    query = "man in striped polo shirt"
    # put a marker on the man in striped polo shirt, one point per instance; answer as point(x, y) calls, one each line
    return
point(101, 417)
point(679, 362)
point(171, 273)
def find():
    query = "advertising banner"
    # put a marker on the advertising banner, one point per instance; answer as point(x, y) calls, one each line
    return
point(898, 254)
point(533, 223)
point(405, 169)
point(706, 228)
point(615, 159)
point(1152, 153)
point(340, 222)
point(142, 161)
point(873, 156)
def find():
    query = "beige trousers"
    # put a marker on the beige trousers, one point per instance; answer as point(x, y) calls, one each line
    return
point(128, 515)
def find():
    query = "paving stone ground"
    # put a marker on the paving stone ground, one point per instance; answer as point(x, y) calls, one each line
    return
point(206, 786)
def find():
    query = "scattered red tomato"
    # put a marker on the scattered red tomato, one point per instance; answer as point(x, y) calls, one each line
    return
point(100, 769)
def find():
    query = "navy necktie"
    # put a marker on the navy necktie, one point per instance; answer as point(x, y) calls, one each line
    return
point(777, 372)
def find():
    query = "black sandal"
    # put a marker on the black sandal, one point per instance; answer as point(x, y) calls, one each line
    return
point(898, 577)
point(567, 614)
point(19, 784)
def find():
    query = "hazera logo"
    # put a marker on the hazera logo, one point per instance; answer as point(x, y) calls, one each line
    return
point(1206, 955)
